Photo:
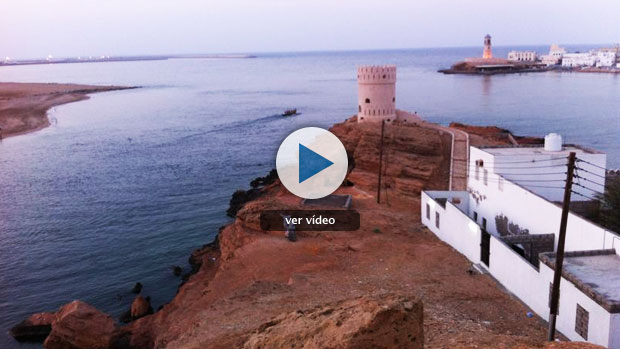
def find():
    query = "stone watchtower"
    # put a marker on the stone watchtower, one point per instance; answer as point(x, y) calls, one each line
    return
point(487, 53)
point(376, 93)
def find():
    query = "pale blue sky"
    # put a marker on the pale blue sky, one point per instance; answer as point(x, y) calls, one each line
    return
point(35, 28)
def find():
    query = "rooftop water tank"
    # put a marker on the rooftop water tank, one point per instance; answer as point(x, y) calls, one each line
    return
point(553, 142)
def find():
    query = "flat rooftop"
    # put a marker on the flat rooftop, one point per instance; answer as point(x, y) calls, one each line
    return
point(595, 273)
point(537, 150)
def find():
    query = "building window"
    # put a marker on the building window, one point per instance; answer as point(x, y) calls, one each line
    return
point(476, 216)
point(486, 177)
point(359, 108)
point(437, 220)
point(500, 184)
point(581, 322)
point(478, 165)
point(428, 212)
point(384, 76)
point(367, 100)
point(393, 99)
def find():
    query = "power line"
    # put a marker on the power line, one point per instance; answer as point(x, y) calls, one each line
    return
point(542, 186)
point(592, 173)
point(589, 180)
point(585, 196)
point(514, 179)
point(530, 155)
point(589, 163)
point(495, 181)
point(510, 167)
point(590, 189)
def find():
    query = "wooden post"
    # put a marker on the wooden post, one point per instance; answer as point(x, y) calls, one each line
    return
point(559, 258)
point(380, 163)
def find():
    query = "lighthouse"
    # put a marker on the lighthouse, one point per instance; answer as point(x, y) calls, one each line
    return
point(487, 53)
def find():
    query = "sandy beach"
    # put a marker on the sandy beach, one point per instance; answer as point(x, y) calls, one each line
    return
point(24, 106)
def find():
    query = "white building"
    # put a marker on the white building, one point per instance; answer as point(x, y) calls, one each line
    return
point(507, 223)
point(585, 59)
point(555, 55)
point(522, 56)
point(605, 58)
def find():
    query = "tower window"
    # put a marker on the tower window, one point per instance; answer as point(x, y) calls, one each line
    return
point(367, 100)
point(359, 108)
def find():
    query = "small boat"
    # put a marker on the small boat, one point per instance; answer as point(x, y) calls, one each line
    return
point(290, 112)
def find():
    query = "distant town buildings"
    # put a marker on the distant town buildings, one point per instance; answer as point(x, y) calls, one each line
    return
point(523, 56)
point(606, 58)
point(572, 60)
point(555, 55)
point(602, 58)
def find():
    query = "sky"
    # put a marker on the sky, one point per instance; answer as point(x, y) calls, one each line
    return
point(68, 28)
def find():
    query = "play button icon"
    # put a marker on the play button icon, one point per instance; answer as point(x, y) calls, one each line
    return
point(311, 163)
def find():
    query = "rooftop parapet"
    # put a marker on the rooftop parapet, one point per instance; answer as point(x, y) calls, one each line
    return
point(376, 74)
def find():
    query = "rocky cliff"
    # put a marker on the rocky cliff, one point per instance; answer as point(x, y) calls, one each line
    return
point(255, 289)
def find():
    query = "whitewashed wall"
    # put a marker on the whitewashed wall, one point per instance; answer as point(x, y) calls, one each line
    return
point(599, 319)
point(525, 281)
point(456, 228)
point(519, 276)
point(530, 210)
point(614, 331)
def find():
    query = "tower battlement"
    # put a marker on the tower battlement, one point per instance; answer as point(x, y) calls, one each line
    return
point(376, 74)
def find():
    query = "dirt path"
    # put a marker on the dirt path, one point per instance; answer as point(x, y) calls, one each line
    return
point(460, 155)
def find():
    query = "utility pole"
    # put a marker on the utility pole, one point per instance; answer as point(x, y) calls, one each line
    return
point(559, 257)
point(380, 162)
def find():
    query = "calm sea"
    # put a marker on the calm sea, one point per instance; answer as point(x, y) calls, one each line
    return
point(128, 183)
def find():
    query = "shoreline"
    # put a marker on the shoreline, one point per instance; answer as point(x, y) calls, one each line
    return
point(24, 106)
point(109, 59)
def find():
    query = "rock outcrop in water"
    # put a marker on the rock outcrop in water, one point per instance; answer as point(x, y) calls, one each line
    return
point(79, 325)
point(34, 329)
point(141, 307)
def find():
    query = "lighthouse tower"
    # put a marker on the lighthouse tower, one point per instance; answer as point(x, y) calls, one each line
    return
point(487, 53)
point(376, 93)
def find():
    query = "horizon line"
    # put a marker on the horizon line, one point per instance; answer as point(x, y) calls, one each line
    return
point(173, 55)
